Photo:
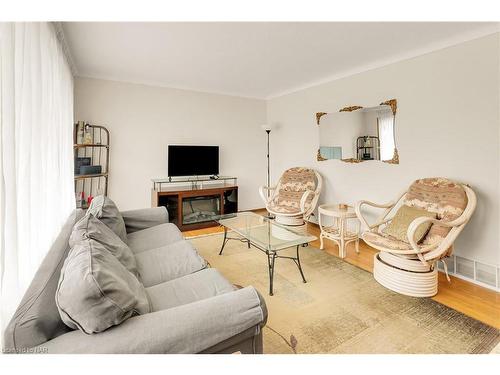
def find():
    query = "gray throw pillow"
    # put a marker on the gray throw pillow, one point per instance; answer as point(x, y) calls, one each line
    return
point(95, 291)
point(91, 227)
point(105, 210)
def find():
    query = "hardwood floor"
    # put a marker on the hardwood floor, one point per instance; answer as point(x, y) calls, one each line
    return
point(472, 300)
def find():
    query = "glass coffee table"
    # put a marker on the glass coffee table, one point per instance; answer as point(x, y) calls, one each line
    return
point(265, 235)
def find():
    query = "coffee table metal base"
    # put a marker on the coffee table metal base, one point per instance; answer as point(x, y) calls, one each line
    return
point(271, 257)
point(226, 239)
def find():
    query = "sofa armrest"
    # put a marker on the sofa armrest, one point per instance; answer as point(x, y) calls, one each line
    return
point(189, 328)
point(143, 218)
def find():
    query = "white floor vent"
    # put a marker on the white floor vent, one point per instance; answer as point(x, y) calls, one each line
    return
point(486, 275)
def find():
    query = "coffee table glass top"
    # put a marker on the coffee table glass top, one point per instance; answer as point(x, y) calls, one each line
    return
point(263, 232)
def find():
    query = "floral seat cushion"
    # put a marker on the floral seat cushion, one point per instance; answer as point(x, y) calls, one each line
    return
point(288, 202)
point(287, 210)
point(382, 241)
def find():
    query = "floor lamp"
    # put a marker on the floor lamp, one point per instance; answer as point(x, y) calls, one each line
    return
point(267, 129)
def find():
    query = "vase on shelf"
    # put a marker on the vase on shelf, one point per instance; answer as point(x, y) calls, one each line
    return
point(87, 139)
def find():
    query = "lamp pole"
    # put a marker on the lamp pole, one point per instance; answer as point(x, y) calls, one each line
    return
point(268, 168)
point(268, 128)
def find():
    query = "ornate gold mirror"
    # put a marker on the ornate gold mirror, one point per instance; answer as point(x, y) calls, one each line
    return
point(355, 134)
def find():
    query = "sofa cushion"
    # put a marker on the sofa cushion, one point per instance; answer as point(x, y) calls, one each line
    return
point(105, 210)
point(96, 291)
point(143, 218)
point(398, 227)
point(91, 227)
point(154, 237)
point(168, 262)
point(37, 319)
point(190, 288)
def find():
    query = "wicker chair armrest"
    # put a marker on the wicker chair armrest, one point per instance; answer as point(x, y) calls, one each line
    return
point(412, 228)
point(304, 199)
point(429, 253)
point(264, 196)
point(381, 220)
point(421, 220)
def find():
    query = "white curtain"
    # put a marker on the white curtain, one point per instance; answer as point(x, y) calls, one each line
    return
point(36, 155)
point(386, 134)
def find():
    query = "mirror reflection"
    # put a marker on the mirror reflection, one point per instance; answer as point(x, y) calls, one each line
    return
point(356, 134)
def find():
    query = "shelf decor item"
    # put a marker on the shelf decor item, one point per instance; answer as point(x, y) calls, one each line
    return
point(87, 138)
point(91, 155)
point(79, 163)
point(90, 169)
point(80, 130)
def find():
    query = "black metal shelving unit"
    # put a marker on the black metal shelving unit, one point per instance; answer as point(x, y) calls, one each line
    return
point(94, 146)
point(368, 148)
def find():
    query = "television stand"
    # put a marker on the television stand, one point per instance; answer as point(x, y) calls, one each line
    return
point(196, 205)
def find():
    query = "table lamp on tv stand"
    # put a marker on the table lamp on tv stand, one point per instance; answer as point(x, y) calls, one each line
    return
point(267, 128)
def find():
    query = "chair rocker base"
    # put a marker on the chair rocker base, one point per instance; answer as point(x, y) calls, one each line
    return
point(289, 220)
point(392, 272)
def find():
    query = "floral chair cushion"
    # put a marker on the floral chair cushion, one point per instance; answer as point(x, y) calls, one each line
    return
point(293, 184)
point(298, 179)
point(445, 198)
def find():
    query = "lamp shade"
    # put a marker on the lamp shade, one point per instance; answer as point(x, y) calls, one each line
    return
point(266, 127)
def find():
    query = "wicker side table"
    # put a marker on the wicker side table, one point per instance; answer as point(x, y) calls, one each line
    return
point(339, 232)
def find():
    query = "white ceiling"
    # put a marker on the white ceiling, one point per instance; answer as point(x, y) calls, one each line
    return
point(259, 60)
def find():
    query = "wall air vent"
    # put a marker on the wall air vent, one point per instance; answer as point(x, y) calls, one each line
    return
point(486, 275)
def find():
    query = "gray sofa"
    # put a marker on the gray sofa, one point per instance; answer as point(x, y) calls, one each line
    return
point(195, 311)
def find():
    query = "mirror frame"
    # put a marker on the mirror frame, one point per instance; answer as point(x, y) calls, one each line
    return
point(391, 103)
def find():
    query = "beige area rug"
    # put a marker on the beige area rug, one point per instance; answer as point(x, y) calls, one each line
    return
point(342, 309)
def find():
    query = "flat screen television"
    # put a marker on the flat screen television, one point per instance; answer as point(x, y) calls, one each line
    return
point(193, 160)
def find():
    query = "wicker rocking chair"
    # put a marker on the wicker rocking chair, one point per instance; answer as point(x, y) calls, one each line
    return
point(410, 268)
point(295, 196)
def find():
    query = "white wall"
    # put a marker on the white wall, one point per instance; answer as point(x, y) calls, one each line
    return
point(447, 125)
point(143, 120)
